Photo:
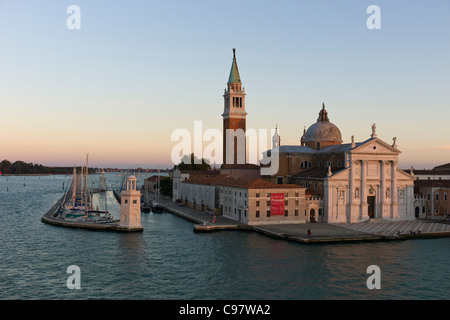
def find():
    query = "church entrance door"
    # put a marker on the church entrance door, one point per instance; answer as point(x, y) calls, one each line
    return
point(371, 208)
point(312, 215)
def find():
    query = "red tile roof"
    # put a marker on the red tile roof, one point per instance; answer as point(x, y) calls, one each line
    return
point(254, 183)
point(244, 183)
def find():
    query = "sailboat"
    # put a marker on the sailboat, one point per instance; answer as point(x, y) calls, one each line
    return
point(80, 204)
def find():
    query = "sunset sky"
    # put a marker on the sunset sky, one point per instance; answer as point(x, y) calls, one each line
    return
point(138, 70)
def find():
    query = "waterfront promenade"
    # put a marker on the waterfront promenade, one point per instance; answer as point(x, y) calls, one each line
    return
point(374, 230)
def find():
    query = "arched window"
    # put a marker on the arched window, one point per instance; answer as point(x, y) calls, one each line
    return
point(306, 164)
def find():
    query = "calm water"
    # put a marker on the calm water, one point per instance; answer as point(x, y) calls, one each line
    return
point(169, 261)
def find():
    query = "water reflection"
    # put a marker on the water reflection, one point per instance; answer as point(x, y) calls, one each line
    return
point(169, 261)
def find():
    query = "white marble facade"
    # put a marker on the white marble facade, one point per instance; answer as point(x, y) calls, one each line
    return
point(371, 186)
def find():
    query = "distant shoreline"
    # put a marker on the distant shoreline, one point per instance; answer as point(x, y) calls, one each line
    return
point(35, 174)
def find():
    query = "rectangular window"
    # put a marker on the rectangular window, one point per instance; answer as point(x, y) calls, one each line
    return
point(286, 213)
point(257, 195)
point(296, 212)
point(257, 203)
point(134, 201)
point(268, 213)
point(126, 201)
point(268, 203)
point(257, 213)
point(286, 202)
point(437, 196)
point(445, 197)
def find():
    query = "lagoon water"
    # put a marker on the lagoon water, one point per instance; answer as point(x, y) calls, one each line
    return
point(169, 261)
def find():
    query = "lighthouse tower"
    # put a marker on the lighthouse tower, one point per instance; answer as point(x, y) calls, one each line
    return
point(102, 182)
point(130, 208)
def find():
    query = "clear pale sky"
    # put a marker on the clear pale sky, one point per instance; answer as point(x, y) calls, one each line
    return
point(137, 70)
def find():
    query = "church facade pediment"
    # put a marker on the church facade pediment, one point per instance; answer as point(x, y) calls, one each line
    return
point(376, 146)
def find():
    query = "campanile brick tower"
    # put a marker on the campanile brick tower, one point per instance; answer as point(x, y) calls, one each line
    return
point(234, 142)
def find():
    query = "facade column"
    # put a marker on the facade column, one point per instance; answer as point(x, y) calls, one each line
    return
point(383, 190)
point(363, 207)
point(327, 208)
point(352, 211)
point(394, 191)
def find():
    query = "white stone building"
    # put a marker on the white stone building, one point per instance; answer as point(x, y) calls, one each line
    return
point(357, 181)
point(371, 186)
point(256, 201)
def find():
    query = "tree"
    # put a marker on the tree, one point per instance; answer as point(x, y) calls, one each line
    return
point(191, 162)
point(166, 187)
point(5, 166)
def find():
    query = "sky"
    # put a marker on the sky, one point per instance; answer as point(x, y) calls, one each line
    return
point(136, 71)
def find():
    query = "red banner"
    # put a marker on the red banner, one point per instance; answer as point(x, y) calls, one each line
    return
point(277, 204)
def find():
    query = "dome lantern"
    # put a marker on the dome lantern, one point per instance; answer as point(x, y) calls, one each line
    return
point(323, 133)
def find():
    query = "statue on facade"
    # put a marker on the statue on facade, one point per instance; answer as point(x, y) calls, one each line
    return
point(395, 142)
point(374, 129)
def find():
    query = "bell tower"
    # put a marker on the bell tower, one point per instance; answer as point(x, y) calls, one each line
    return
point(234, 141)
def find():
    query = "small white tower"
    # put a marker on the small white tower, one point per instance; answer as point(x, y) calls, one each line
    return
point(276, 138)
point(102, 182)
point(130, 208)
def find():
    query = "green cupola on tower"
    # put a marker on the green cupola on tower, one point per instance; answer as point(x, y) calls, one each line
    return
point(234, 73)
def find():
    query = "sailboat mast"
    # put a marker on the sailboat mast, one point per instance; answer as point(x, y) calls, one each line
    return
point(86, 183)
point(82, 185)
point(74, 187)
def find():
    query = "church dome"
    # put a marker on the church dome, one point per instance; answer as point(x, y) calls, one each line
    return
point(323, 132)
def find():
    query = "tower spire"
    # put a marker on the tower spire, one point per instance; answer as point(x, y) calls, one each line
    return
point(234, 73)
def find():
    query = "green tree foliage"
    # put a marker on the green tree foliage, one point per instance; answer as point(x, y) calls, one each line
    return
point(20, 167)
point(166, 186)
point(191, 162)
